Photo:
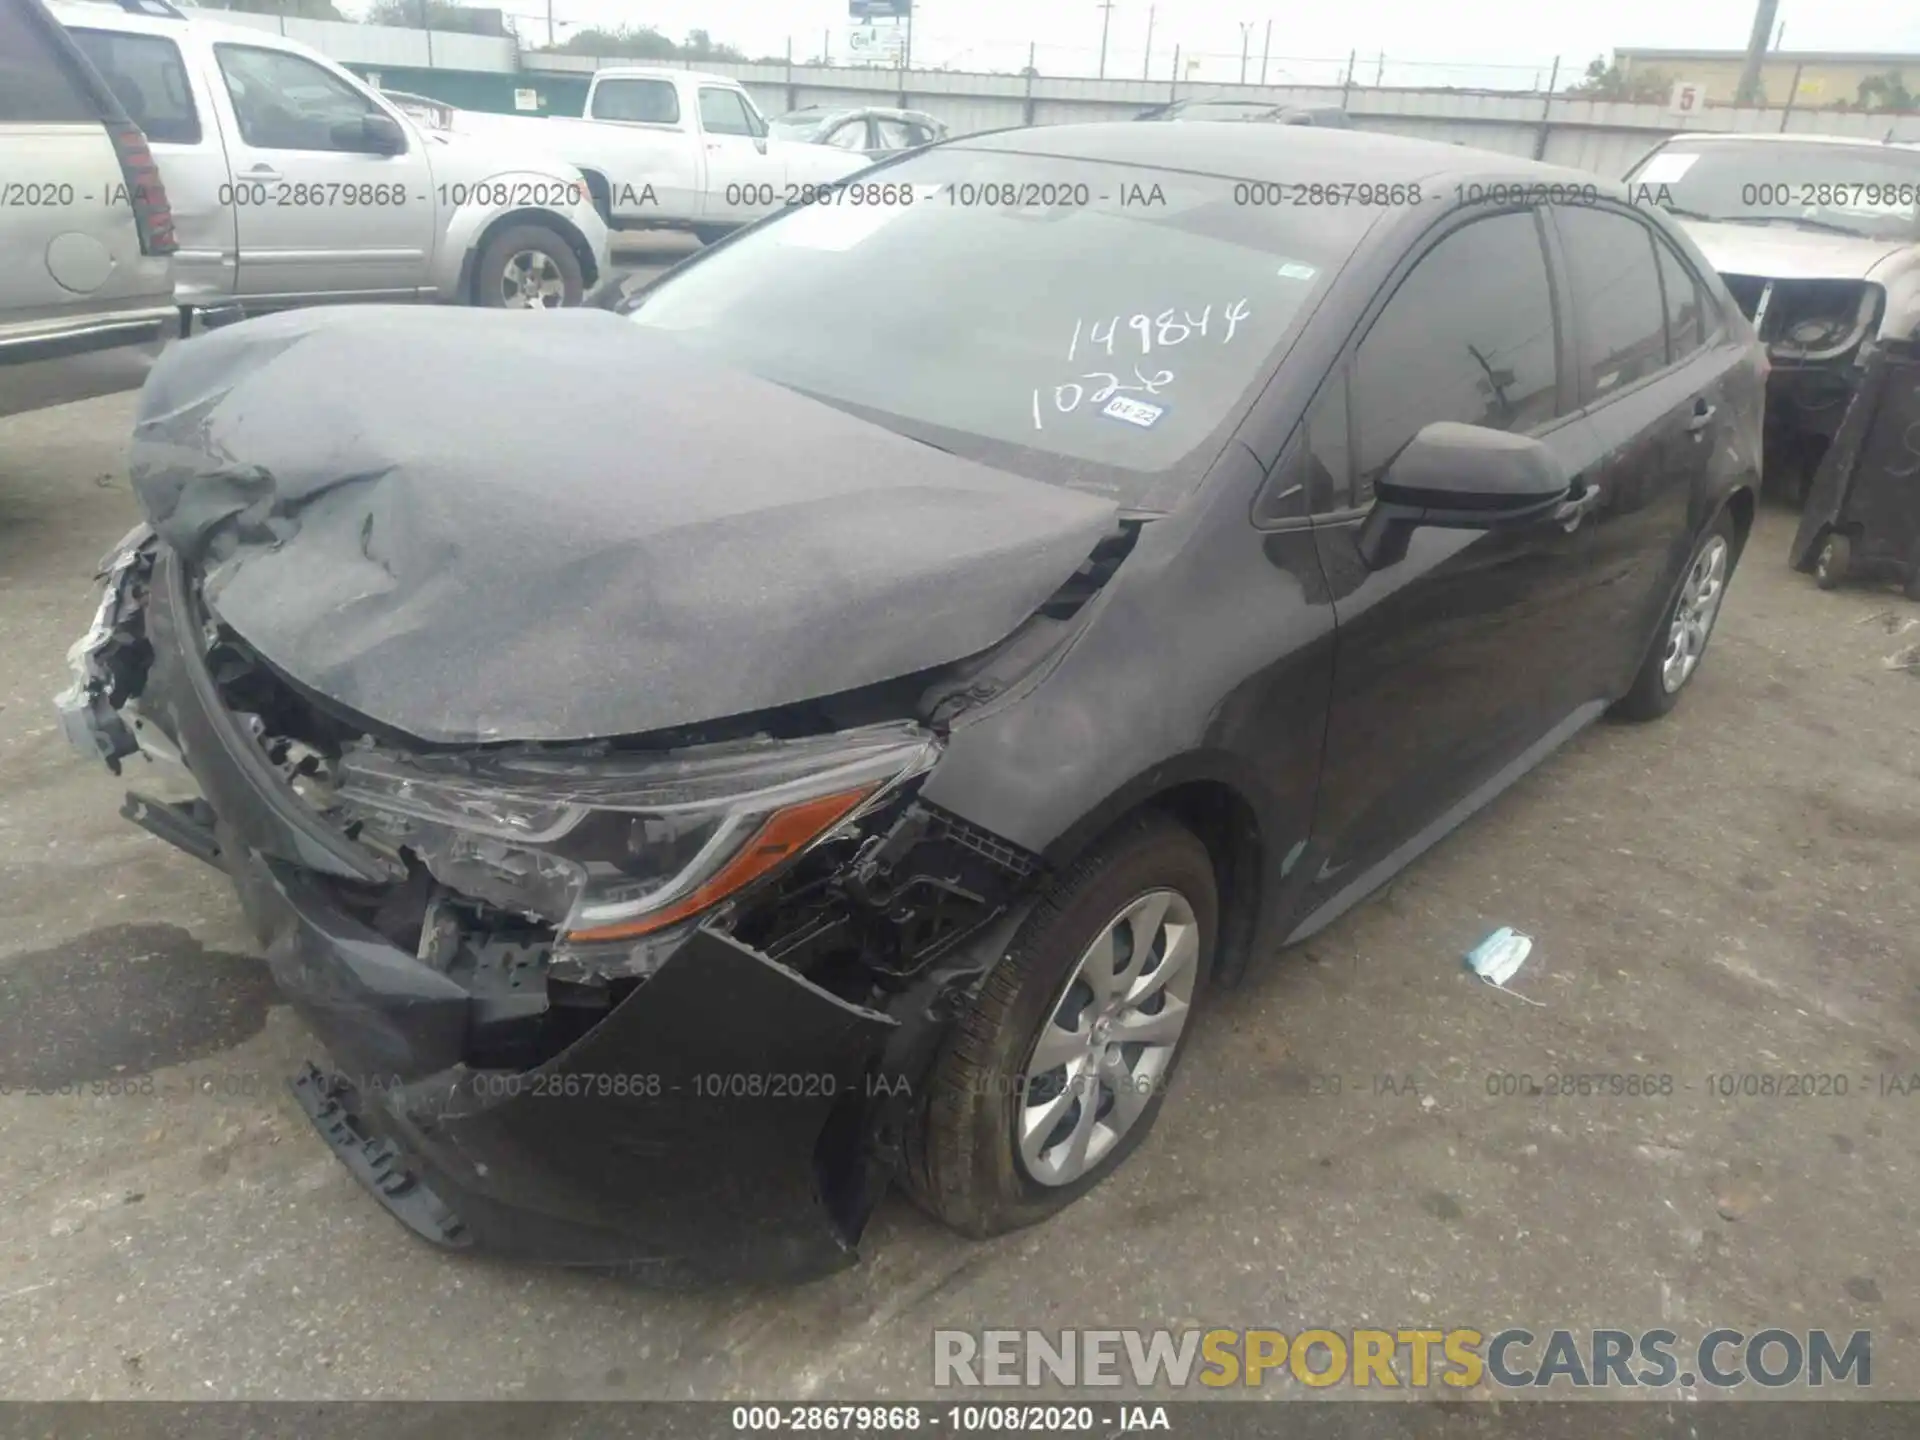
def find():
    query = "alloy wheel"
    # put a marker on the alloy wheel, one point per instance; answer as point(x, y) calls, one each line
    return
point(1108, 1041)
point(532, 281)
point(1694, 614)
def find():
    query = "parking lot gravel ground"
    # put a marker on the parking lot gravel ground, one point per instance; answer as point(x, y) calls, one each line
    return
point(1732, 892)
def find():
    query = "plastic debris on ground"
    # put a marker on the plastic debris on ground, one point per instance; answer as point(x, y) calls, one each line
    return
point(1498, 958)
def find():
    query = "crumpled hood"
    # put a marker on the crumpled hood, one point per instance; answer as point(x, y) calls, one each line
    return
point(1782, 252)
point(480, 525)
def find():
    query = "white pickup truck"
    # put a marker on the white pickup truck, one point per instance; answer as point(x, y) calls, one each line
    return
point(673, 149)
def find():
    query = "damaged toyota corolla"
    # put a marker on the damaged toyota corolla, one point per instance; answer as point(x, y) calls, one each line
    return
point(832, 725)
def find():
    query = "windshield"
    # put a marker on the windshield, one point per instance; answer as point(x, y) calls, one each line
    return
point(1097, 325)
point(1871, 190)
point(794, 127)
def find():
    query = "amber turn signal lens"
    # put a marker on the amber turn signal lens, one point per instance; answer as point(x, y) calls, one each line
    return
point(783, 834)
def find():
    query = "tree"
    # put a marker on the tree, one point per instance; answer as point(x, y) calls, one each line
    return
point(1609, 82)
point(434, 15)
point(292, 9)
point(1886, 92)
point(701, 46)
point(631, 42)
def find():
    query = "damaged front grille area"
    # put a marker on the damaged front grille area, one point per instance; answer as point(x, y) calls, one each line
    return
point(1808, 321)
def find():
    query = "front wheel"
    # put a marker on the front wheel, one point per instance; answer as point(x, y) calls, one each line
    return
point(1682, 639)
point(528, 267)
point(1059, 1067)
point(1836, 559)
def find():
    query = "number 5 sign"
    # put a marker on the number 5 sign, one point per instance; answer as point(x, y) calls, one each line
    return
point(1689, 98)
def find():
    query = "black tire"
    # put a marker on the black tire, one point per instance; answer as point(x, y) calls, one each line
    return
point(1836, 559)
point(489, 289)
point(1649, 698)
point(963, 1167)
point(711, 234)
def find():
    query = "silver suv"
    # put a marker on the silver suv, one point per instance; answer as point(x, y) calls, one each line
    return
point(86, 293)
point(293, 182)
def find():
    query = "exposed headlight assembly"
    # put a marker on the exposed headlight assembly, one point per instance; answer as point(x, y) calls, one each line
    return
point(616, 846)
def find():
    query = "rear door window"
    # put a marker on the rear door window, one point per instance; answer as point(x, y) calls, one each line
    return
point(1468, 336)
point(148, 77)
point(647, 102)
point(35, 82)
point(849, 135)
point(1616, 285)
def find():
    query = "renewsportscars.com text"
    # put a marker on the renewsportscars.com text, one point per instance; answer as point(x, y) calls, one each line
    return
point(1459, 1359)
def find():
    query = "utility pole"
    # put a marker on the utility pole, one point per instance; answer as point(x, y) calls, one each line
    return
point(1266, 51)
point(549, 24)
point(1146, 66)
point(1106, 20)
point(1763, 17)
point(1246, 36)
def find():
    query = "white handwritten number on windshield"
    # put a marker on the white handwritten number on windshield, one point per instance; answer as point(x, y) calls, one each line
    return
point(1163, 330)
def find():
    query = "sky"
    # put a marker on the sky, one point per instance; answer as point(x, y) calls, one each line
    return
point(1467, 42)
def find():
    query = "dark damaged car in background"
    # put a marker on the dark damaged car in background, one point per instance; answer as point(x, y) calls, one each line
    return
point(1817, 237)
point(937, 643)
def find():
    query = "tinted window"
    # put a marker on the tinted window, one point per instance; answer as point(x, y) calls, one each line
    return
point(1685, 332)
point(896, 134)
point(1623, 322)
point(1862, 189)
point(1468, 336)
point(723, 112)
point(147, 76)
point(286, 102)
point(652, 102)
point(34, 83)
point(1090, 343)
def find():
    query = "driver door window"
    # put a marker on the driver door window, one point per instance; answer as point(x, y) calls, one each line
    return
point(723, 112)
point(286, 102)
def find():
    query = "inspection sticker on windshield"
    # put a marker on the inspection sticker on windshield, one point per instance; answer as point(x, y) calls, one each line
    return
point(1294, 270)
point(1134, 412)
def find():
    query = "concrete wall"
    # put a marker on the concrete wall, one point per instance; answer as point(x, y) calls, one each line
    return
point(1824, 77)
point(378, 45)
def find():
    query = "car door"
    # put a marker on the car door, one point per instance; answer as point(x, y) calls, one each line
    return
point(1653, 391)
point(745, 177)
point(169, 100)
point(315, 216)
point(1452, 664)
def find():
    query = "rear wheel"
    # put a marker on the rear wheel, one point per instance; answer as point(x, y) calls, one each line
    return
point(1059, 1068)
point(528, 267)
point(1688, 625)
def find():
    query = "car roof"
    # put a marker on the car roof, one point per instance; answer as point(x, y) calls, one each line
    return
point(657, 72)
point(1859, 142)
point(106, 15)
point(1293, 153)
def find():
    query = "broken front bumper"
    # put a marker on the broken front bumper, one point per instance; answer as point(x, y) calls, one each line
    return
point(712, 1122)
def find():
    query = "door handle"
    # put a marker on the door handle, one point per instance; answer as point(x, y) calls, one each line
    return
point(1575, 509)
point(1703, 414)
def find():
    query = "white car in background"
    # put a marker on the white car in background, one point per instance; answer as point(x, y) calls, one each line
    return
point(674, 149)
point(292, 182)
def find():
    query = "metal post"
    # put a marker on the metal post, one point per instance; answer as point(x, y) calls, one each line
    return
point(550, 29)
point(1792, 91)
point(1026, 113)
point(793, 95)
point(1146, 65)
point(1749, 91)
point(1106, 20)
point(1173, 86)
point(1346, 81)
point(426, 24)
point(826, 47)
point(1546, 110)
point(1266, 52)
point(1246, 32)
point(1380, 70)
point(906, 54)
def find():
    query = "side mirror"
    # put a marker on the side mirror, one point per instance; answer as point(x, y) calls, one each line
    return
point(374, 134)
point(1460, 477)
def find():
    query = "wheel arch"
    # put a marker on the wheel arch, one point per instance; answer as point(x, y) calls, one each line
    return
point(1220, 808)
point(527, 215)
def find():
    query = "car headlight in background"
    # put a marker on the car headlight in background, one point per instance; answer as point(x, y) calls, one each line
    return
point(616, 846)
